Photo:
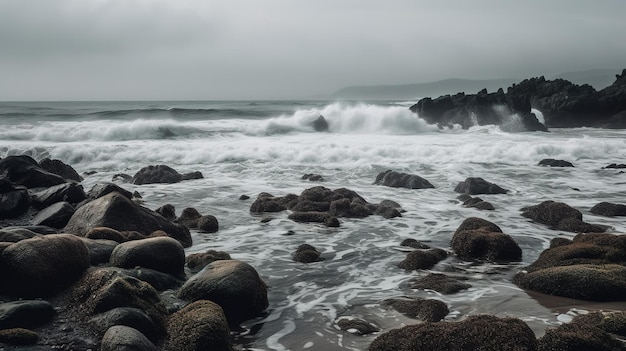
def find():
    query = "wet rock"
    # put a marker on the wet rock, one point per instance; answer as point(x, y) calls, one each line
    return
point(314, 217)
point(201, 325)
point(15, 234)
point(99, 250)
point(122, 177)
point(610, 322)
point(189, 218)
point(18, 337)
point(43, 265)
point(24, 170)
point(414, 244)
point(440, 283)
point(157, 174)
point(320, 124)
point(423, 259)
point(127, 316)
point(480, 239)
point(208, 224)
point(475, 202)
point(591, 267)
point(428, 310)
point(268, 203)
point(102, 189)
point(167, 211)
point(609, 209)
point(158, 280)
point(550, 162)
point(197, 261)
point(60, 168)
point(105, 233)
point(234, 285)
point(162, 254)
point(387, 212)
point(476, 186)
point(118, 212)
point(192, 175)
point(576, 337)
point(69, 192)
point(312, 177)
point(55, 216)
point(244, 197)
point(616, 166)
point(402, 180)
point(25, 314)
point(482, 332)
point(14, 200)
point(355, 208)
point(560, 216)
point(123, 338)
point(306, 253)
point(356, 326)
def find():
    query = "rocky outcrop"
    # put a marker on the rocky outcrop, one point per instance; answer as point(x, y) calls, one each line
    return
point(562, 104)
point(123, 338)
point(440, 283)
point(422, 259)
point(560, 216)
point(162, 254)
point(402, 180)
point(320, 124)
point(477, 186)
point(428, 310)
point(201, 325)
point(590, 267)
point(479, 239)
point(483, 332)
point(609, 209)
point(58, 167)
point(120, 213)
point(162, 174)
point(550, 162)
point(14, 199)
point(196, 261)
point(306, 253)
point(24, 170)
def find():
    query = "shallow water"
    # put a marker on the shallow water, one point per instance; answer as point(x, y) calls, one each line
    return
point(253, 147)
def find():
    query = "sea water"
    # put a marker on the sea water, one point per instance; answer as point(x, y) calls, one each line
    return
point(249, 147)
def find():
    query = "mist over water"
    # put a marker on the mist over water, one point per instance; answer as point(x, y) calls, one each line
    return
point(253, 147)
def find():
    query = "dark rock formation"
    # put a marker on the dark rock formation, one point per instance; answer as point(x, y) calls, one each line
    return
point(576, 337)
point(306, 253)
point(99, 250)
point(476, 186)
point(356, 326)
point(234, 285)
point(440, 283)
point(128, 316)
point(58, 167)
point(25, 314)
point(402, 180)
point(427, 310)
point(123, 338)
point(315, 217)
point(560, 216)
point(162, 174)
point(189, 218)
point(320, 124)
point(162, 254)
point(313, 177)
point(608, 209)
point(208, 224)
point(550, 162)
point(480, 239)
point(610, 322)
point(118, 212)
point(167, 211)
point(475, 202)
point(414, 244)
point(55, 216)
point(590, 267)
point(14, 200)
point(201, 325)
point(102, 189)
point(24, 170)
point(562, 104)
point(422, 259)
point(616, 166)
point(69, 192)
point(482, 332)
point(18, 337)
point(196, 261)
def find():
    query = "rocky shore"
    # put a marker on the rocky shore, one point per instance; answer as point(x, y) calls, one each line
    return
point(562, 104)
point(98, 270)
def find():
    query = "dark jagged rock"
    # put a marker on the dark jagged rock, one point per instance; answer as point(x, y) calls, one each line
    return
point(414, 244)
point(560, 216)
point(482, 332)
point(232, 284)
point(402, 180)
point(24, 170)
point(196, 261)
point(14, 200)
point(69, 192)
point(320, 124)
point(475, 202)
point(127, 316)
point(356, 326)
point(25, 314)
point(201, 325)
point(423, 259)
point(208, 224)
point(609, 209)
point(189, 218)
point(157, 174)
point(616, 166)
point(58, 167)
point(590, 267)
point(550, 162)
point(244, 197)
point(306, 253)
point(102, 189)
point(55, 216)
point(118, 212)
point(314, 217)
point(167, 211)
point(192, 175)
point(428, 310)
point(440, 283)
point(477, 186)
point(480, 239)
point(312, 177)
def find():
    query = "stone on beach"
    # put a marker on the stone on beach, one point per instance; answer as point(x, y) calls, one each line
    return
point(477, 186)
point(609, 209)
point(162, 174)
point(440, 283)
point(25, 313)
point(196, 261)
point(124, 338)
point(560, 216)
point(55, 216)
point(60, 168)
point(428, 310)
point(402, 180)
point(24, 170)
point(128, 316)
point(201, 325)
point(306, 253)
point(162, 254)
point(550, 162)
point(68, 192)
point(478, 238)
point(422, 259)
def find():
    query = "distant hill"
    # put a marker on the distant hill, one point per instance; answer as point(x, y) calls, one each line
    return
point(420, 90)
point(597, 78)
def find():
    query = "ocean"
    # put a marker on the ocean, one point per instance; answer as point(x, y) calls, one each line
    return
point(250, 147)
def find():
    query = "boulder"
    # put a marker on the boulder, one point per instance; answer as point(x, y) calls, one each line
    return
point(192, 175)
point(24, 170)
point(68, 192)
point(320, 124)
point(14, 202)
point(127, 316)
point(268, 203)
point(414, 244)
point(58, 167)
point(476, 186)
point(422, 259)
point(428, 310)
point(402, 180)
point(118, 212)
point(158, 280)
point(440, 283)
point(475, 202)
point(590, 267)
point(18, 337)
point(609, 209)
point(55, 216)
point(312, 177)
point(43, 265)
point(189, 218)
point(234, 285)
point(102, 189)
point(550, 162)
point(610, 322)
point(157, 174)
point(123, 338)
point(162, 254)
point(306, 253)
point(560, 216)
point(575, 337)
point(481, 332)
point(201, 325)
point(105, 233)
point(482, 240)
point(15, 234)
point(196, 261)
point(208, 224)
point(356, 326)
point(25, 314)
point(167, 211)
point(314, 217)
point(100, 250)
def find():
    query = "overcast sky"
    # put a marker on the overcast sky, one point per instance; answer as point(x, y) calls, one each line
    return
point(260, 49)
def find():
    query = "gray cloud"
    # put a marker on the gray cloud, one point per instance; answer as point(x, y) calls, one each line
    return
point(193, 49)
